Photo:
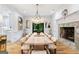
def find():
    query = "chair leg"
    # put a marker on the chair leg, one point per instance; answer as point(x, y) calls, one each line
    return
point(52, 51)
point(30, 50)
point(47, 50)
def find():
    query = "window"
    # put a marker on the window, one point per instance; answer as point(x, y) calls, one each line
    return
point(38, 27)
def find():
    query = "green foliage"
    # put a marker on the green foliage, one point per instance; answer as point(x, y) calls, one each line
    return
point(38, 27)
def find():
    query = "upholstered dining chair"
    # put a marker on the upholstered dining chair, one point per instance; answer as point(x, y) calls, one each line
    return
point(25, 49)
point(35, 33)
point(52, 48)
point(22, 39)
point(48, 35)
point(54, 39)
point(41, 33)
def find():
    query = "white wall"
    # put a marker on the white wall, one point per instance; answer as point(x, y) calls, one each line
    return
point(14, 34)
point(9, 19)
point(71, 18)
point(54, 26)
point(58, 18)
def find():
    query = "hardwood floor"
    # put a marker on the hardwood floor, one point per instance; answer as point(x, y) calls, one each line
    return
point(14, 48)
point(63, 49)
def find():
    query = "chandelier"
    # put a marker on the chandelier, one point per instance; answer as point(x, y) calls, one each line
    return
point(37, 18)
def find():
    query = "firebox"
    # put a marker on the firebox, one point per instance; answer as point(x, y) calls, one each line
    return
point(67, 33)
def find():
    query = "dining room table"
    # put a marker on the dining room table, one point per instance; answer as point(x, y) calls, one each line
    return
point(38, 40)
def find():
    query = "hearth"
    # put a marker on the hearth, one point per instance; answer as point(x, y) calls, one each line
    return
point(67, 33)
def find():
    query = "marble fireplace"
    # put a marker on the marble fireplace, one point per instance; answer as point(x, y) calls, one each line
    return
point(69, 34)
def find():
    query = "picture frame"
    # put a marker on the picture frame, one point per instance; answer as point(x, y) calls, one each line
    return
point(27, 24)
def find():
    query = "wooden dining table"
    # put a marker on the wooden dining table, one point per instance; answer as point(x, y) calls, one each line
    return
point(38, 40)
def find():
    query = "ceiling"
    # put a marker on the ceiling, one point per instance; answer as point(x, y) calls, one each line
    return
point(44, 9)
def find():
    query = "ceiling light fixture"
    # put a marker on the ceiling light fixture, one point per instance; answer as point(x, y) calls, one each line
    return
point(37, 18)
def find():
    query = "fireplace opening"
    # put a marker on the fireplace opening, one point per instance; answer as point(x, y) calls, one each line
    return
point(67, 33)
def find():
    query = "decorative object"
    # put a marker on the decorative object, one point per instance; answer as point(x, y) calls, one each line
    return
point(65, 12)
point(48, 25)
point(20, 23)
point(20, 20)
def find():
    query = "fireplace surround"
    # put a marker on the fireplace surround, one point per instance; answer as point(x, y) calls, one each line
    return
point(74, 44)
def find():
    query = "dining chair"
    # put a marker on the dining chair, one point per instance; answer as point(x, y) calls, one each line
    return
point(25, 49)
point(54, 39)
point(28, 35)
point(35, 33)
point(52, 48)
point(23, 39)
point(48, 35)
point(41, 33)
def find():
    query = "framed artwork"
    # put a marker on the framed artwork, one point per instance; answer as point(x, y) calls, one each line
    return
point(27, 23)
